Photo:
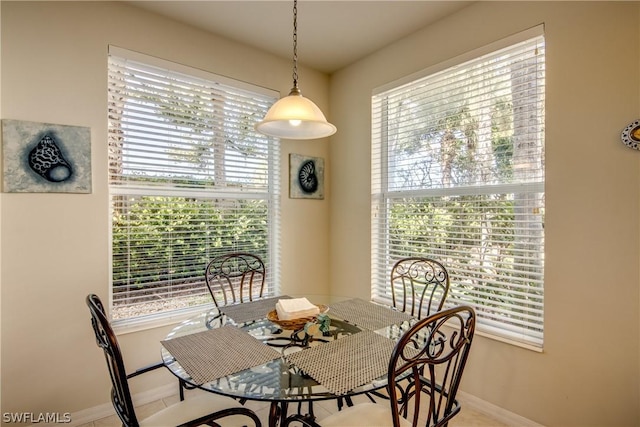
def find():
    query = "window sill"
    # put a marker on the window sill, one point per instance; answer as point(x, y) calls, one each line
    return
point(142, 323)
point(526, 346)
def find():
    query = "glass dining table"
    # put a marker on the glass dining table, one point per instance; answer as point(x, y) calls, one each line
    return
point(237, 351)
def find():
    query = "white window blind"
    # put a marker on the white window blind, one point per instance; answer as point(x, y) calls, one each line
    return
point(189, 179)
point(458, 175)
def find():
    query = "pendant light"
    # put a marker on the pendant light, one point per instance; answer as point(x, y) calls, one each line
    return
point(294, 116)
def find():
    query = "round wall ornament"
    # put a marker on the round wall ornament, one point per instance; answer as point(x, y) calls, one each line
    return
point(631, 135)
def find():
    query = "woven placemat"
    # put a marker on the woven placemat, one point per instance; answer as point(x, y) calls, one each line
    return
point(367, 314)
point(216, 353)
point(252, 310)
point(346, 363)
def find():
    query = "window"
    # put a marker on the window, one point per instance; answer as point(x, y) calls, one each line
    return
point(189, 179)
point(458, 175)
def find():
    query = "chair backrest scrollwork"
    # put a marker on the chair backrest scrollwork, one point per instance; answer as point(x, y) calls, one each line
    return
point(235, 278)
point(432, 355)
point(419, 286)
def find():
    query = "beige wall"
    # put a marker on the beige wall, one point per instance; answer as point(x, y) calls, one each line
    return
point(54, 69)
point(588, 373)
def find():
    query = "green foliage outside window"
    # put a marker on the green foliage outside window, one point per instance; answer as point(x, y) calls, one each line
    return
point(161, 246)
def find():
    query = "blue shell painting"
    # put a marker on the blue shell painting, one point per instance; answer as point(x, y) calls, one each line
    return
point(45, 158)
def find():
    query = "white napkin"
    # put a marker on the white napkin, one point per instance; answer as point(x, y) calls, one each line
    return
point(295, 308)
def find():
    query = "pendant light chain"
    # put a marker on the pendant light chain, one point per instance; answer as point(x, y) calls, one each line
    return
point(295, 43)
point(294, 116)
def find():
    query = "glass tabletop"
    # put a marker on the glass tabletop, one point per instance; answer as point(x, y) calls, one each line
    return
point(280, 380)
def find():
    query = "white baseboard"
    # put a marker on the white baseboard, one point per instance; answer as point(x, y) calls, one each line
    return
point(506, 417)
point(106, 410)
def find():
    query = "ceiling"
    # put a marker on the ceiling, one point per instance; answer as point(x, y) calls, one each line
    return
point(331, 34)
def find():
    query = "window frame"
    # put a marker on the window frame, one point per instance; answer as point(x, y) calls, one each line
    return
point(268, 192)
point(382, 195)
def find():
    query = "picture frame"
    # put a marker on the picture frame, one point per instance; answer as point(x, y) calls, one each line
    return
point(306, 177)
point(45, 158)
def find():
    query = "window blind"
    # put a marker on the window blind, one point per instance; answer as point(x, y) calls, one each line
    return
point(458, 175)
point(189, 179)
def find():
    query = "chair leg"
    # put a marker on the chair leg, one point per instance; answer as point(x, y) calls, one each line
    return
point(311, 414)
point(182, 387)
point(348, 400)
point(274, 414)
point(375, 394)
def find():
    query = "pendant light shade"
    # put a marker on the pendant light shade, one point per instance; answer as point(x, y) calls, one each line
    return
point(294, 116)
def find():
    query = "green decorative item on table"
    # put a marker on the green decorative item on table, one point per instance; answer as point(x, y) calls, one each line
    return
point(321, 324)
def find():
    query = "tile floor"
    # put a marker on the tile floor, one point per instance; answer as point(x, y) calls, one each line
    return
point(466, 418)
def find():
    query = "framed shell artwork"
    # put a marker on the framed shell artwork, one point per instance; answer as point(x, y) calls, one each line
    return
point(45, 158)
point(306, 177)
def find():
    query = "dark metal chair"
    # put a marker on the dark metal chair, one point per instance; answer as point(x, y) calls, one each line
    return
point(205, 408)
point(235, 278)
point(232, 278)
point(419, 286)
point(432, 355)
